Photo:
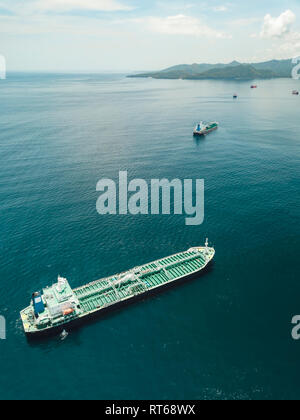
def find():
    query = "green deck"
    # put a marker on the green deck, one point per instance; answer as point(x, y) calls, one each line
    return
point(101, 294)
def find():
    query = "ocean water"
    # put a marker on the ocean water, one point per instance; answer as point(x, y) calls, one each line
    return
point(226, 335)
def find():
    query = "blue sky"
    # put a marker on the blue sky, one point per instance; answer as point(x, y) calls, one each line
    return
point(129, 35)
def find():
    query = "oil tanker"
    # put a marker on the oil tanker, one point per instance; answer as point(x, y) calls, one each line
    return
point(58, 307)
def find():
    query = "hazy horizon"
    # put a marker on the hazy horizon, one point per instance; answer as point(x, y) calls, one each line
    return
point(144, 35)
point(117, 72)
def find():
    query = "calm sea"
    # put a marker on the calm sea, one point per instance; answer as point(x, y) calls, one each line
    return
point(226, 335)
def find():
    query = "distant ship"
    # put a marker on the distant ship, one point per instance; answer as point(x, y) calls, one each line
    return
point(295, 92)
point(254, 87)
point(57, 306)
point(205, 128)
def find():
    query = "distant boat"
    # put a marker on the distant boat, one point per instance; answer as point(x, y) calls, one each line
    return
point(205, 128)
point(253, 86)
point(235, 96)
point(295, 92)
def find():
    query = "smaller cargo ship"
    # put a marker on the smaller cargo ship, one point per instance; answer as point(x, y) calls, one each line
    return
point(295, 92)
point(204, 128)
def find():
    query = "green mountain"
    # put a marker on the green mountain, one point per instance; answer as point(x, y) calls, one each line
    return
point(232, 71)
point(283, 68)
point(198, 68)
point(240, 72)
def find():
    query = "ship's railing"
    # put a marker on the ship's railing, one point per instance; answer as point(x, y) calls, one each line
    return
point(115, 290)
point(171, 265)
point(138, 274)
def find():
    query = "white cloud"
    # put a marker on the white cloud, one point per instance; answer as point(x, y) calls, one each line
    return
point(69, 5)
point(278, 27)
point(290, 47)
point(281, 29)
point(245, 21)
point(183, 25)
point(220, 9)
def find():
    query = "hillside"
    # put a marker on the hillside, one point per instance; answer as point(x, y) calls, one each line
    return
point(234, 71)
point(241, 72)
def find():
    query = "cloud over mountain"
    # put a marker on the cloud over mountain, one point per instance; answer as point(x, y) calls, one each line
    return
point(278, 27)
